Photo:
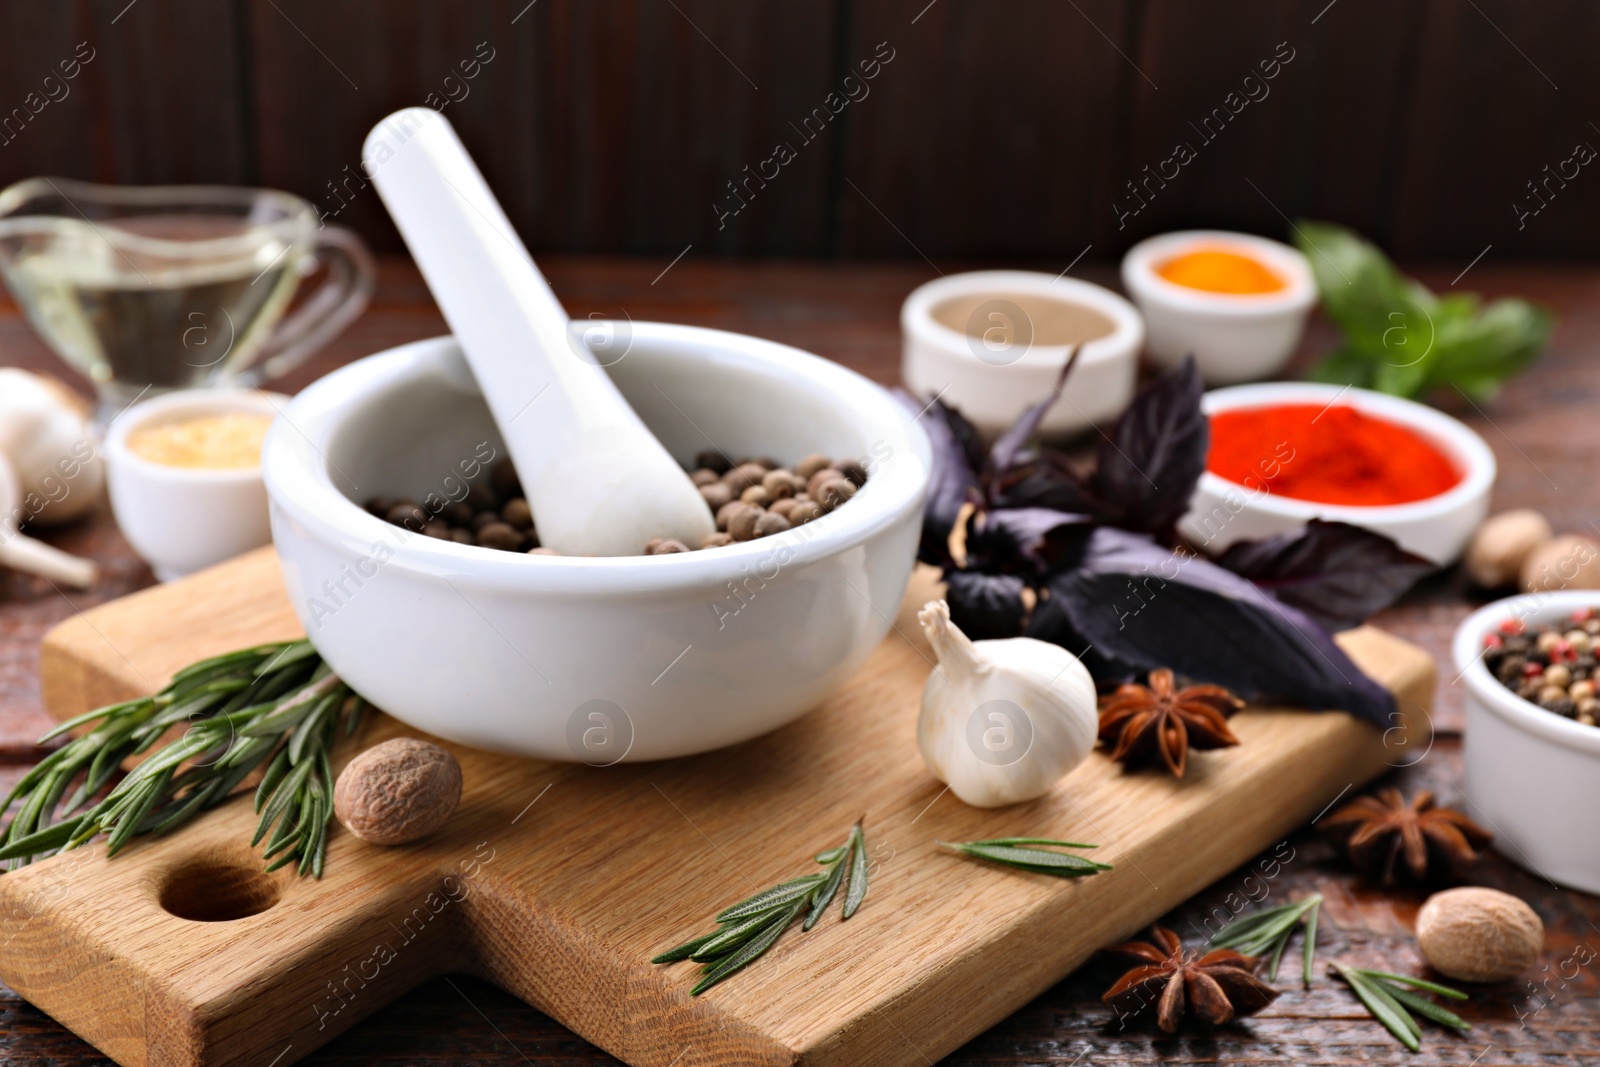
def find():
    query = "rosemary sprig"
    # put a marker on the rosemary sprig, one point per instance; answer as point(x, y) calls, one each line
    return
point(1271, 929)
point(277, 704)
point(1388, 998)
point(1019, 852)
point(750, 927)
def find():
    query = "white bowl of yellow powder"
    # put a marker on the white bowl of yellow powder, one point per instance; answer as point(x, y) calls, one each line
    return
point(184, 471)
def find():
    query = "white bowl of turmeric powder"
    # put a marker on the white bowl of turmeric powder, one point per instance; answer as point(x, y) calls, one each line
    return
point(1237, 302)
point(184, 472)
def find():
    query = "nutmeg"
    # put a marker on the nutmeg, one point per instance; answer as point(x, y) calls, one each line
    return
point(1497, 551)
point(1570, 561)
point(1478, 935)
point(398, 791)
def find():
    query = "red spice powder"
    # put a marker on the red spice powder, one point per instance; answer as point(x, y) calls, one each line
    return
point(1334, 455)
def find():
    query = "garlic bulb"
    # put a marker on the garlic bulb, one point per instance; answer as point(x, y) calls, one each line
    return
point(44, 431)
point(49, 472)
point(1002, 720)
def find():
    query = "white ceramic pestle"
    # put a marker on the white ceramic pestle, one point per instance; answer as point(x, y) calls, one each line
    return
point(597, 480)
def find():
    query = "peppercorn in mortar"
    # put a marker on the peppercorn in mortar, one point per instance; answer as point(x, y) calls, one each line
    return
point(751, 498)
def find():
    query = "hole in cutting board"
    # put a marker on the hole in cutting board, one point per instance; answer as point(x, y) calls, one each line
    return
point(215, 891)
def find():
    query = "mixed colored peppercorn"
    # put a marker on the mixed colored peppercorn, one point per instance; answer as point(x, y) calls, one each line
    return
point(1551, 665)
point(751, 498)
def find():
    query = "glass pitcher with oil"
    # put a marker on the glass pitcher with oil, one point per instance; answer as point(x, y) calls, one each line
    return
point(148, 289)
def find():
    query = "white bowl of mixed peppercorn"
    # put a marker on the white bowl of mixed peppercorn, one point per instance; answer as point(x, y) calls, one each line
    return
point(461, 626)
point(1531, 742)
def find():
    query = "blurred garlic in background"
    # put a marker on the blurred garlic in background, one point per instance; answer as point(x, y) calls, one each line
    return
point(50, 472)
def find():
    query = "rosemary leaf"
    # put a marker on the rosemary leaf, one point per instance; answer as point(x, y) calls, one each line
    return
point(146, 797)
point(1268, 930)
point(825, 895)
point(227, 659)
point(1387, 999)
point(1277, 957)
point(754, 924)
point(1037, 860)
point(281, 799)
point(766, 900)
point(269, 781)
point(277, 704)
point(857, 890)
point(1259, 936)
point(1427, 1008)
point(1264, 924)
point(1311, 941)
point(289, 656)
point(40, 843)
point(1378, 991)
point(114, 712)
point(751, 950)
point(734, 935)
point(683, 951)
point(1419, 983)
point(1383, 1007)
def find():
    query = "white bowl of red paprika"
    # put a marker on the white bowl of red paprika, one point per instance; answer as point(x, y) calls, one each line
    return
point(1286, 452)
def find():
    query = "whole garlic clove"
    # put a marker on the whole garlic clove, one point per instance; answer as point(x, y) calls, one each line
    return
point(22, 553)
point(1003, 720)
point(45, 432)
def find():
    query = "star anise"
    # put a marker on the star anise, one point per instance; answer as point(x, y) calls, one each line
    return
point(1378, 831)
point(1140, 723)
point(1213, 988)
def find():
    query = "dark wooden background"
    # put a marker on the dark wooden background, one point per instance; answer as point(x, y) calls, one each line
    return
point(1001, 128)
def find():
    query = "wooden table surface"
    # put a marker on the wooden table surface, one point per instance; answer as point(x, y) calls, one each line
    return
point(1543, 428)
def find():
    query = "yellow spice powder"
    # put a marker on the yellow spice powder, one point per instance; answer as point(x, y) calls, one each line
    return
point(210, 442)
point(1217, 270)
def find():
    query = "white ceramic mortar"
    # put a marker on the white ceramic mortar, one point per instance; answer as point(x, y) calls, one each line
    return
point(593, 659)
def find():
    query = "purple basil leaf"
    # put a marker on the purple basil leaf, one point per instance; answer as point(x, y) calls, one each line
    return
point(1010, 444)
point(1007, 446)
point(1155, 453)
point(1140, 604)
point(1045, 481)
point(953, 480)
point(985, 605)
point(1013, 539)
point(1338, 574)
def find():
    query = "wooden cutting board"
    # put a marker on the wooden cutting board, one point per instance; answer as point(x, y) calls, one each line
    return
point(559, 882)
